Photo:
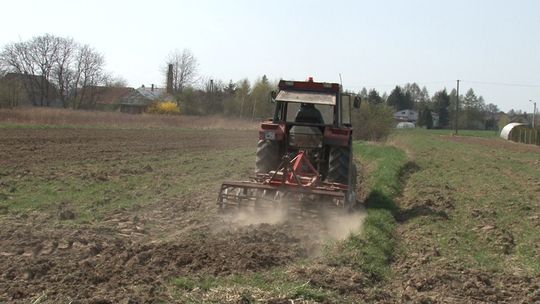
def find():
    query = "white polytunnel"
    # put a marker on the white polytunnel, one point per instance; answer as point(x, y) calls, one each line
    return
point(507, 130)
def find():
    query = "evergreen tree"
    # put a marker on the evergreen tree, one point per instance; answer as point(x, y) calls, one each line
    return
point(425, 119)
point(428, 118)
point(473, 107)
point(399, 99)
point(441, 104)
point(374, 97)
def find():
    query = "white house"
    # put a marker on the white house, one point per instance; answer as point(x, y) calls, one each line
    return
point(406, 115)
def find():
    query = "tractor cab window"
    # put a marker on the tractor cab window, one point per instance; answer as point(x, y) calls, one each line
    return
point(296, 114)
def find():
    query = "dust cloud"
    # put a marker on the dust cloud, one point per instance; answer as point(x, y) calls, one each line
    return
point(323, 223)
point(340, 226)
point(255, 217)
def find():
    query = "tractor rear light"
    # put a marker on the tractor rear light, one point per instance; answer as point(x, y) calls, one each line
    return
point(327, 85)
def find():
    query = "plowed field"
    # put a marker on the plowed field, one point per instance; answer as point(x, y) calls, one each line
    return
point(112, 215)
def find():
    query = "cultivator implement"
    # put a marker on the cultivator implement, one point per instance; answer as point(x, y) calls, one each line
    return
point(295, 184)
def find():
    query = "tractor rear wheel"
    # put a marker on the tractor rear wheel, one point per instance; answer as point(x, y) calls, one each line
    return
point(354, 176)
point(267, 156)
point(338, 165)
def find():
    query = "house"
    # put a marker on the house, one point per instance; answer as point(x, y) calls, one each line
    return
point(139, 100)
point(18, 89)
point(435, 119)
point(103, 98)
point(406, 115)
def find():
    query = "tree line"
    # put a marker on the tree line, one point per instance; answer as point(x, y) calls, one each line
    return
point(73, 69)
point(474, 113)
point(61, 64)
point(200, 95)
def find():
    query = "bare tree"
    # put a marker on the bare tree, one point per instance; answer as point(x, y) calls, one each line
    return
point(88, 73)
point(184, 68)
point(3, 67)
point(62, 71)
point(46, 62)
point(115, 81)
point(43, 51)
point(16, 58)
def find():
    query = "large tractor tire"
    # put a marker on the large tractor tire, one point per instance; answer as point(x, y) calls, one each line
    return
point(351, 201)
point(354, 176)
point(267, 156)
point(338, 165)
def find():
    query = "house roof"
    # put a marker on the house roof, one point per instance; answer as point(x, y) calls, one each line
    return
point(109, 95)
point(32, 79)
point(405, 113)
point(32, 83)
point(144, 96)
point(19, 77)
point(150, 94)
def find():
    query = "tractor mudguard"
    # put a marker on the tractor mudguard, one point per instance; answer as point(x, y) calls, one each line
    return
point(337, 136)
point(272, 131)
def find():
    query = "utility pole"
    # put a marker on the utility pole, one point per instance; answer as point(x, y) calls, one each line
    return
point(457, 110)
point(534, 114)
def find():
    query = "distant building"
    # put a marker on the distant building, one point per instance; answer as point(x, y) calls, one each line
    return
point(435, 118)
point(27, 90)
point(139, 100)
point(406, 115)
point(103, 98)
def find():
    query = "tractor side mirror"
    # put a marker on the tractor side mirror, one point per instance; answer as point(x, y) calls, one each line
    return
point(273, 96)
point(357, 102)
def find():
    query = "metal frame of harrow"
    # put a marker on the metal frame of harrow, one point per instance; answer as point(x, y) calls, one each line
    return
point(295, 177)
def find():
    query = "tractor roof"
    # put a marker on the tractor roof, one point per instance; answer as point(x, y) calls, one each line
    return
point(309, 85)
point(308, 92)
point(306, 97)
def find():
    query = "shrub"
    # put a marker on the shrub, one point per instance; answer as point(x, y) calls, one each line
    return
point(164, 107)
point(373, 121)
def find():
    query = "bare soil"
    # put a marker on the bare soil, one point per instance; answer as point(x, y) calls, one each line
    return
point(131, 255)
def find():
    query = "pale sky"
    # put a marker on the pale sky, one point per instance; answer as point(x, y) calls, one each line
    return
point(374, 44)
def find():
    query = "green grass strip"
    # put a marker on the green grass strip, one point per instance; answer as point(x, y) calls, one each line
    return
point(372, 250)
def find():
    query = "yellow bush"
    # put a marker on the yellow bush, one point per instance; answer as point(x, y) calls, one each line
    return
point(164, 107)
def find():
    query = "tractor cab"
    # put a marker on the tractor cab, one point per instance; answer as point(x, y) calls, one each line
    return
point(314, 117)
point(296, 101)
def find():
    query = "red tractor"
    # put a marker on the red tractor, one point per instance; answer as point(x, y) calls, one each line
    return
point(304, 153)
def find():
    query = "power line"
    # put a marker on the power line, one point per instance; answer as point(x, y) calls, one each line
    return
point(502, 84)
point(400, 84)
point(506, 84)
